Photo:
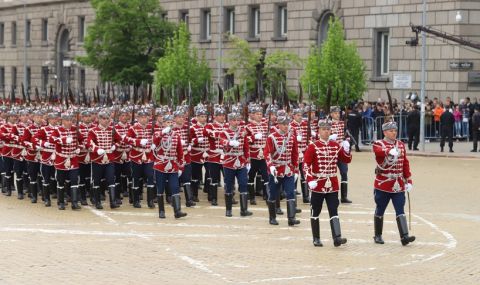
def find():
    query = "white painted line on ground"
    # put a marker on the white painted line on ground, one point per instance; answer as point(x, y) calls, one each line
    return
point(102, 215)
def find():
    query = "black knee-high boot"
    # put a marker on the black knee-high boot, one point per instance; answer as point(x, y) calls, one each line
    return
point(378, 222)
point(403, 230)
point(315, 224)
point(161, 206)
point(336, 232)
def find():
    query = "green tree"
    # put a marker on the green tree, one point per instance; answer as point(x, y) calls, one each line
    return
point(337, 67)
point(275, 71)
point(126, 40)
point(181, 67)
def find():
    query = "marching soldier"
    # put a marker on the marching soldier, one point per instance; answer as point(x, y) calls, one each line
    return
point(338, 135)
point(212, 131)
point(123, 171)
point(181, 128)
point(168, 166)
point(20, 165)
point(32, 155)
point(199, 149)
point(85, 163)
point(257, 130)
point(47, 156)
point(301, 128)
point(281, 154)
point(320, 168)
point(66, 139)
point(11, 152)
point(102, 142)
point(235, 163)
point(393, 179)
point(139, 137)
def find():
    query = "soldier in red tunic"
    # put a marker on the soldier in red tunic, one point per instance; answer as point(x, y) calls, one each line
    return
point(236, 162)
point(67, 140)
point(85, 167)
point(11, 152)
point(20, 165)
point(139, 137)
point(338, 135)
point(181, 128)
point(47, 156)
point(320, 168)
point(102, 142)
point(257, 131)
point(199, 149)
point(215, 152)
point(32, 155)
point(168, 165)
point(301, 127)
point(121, 161)
point(281, 154)
point(393, 179)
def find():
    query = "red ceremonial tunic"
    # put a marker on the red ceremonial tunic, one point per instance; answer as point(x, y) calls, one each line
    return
point(235, 157)
point(102, 138)
point(47, 154)
point(212, 131)
point(338, 127)
point(66, 154)
point(257, 146)
point(32, 152)
point(120, 155)
point(140, 154)
point(10, 139)
point(281, 151)
point(84, 155)
point(199, 149)
point(168, 152)
point(19, 151)
point(320, 164)
point(183, 132)
point(391, 173)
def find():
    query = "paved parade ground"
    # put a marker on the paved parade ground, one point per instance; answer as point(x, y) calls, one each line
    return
point(132, 246)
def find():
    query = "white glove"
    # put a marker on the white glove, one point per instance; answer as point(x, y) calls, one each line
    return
point(180, 173)
point(408, 187)
point(393, 152)
point(100, 151)
point(69, 140)
point(258, 136)
point(248, 167)
point(312, 184)
point(273, 171)
point(47, 144)
point(113, 148)
point(77, 151)
point(299, 138)
point(346, 146)
point(143, 142)
point(234, 143)
point(183, 142)
point(333, 137)
point(189, 148)
point(314, 134)
point(153, 146)
point(166, 130)
point(201, 140)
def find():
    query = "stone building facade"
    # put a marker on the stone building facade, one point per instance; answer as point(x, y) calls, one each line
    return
point(380, 29)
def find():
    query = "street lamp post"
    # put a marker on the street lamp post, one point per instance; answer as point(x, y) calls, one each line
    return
point(220, 43)
point(422, 92)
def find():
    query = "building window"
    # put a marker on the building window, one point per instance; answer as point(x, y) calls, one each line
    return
point(14, 77)
point(44, 30)
point(229, 80)
point(185, 18)
point(254, 22)
point(206, 31)
point(81, 29)
point(28, 26)
point(2, 78)
point(2, 34)
point(14, 33)
point(281, 27)
point(44, 79)
point(323, 27)
point(82, 80)
point(29, 79)
point(230, 21)
point(164, 16)
point(382, 52)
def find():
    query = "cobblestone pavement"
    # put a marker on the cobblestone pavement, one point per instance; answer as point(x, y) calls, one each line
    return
point(130, 246)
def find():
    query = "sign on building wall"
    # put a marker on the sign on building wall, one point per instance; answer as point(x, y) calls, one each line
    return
point(461, 65)
point(402, 81)
point(474, 78)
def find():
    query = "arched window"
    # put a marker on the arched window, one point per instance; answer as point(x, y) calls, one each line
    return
point(323, 26)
